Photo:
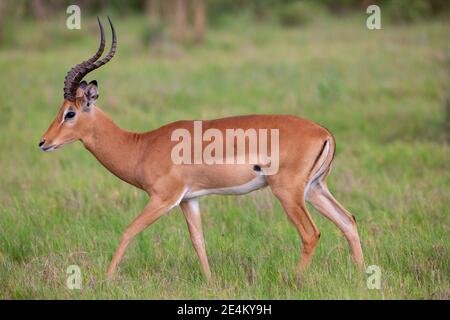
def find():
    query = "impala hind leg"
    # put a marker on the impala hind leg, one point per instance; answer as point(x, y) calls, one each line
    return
point(295, 207)
point(193, 219)
point(322, 199)
point(155, 209)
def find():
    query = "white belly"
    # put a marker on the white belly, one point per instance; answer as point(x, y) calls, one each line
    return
point(255, 184)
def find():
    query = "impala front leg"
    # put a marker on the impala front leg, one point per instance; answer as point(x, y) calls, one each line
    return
point(155, 209)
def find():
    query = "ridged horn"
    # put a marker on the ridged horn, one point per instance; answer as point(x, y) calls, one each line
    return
point(77, 73)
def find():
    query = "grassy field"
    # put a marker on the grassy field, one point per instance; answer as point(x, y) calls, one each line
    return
point(382, 94)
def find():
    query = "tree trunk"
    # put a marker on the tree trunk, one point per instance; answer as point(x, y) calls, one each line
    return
point(153, 8)
point(199, 20)
point(39, 9)
point(180, 20)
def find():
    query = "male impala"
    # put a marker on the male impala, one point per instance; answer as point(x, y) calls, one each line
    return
point(144, 160)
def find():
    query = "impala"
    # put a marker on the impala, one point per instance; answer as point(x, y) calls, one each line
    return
point(306, 152)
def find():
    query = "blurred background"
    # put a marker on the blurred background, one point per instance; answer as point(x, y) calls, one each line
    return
point(186, 21)
point(292, 54)
point(383, 93)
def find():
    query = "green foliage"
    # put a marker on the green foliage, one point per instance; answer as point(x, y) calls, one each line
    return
point(7, 34)
point(295, 14)
point(153, 33)
point(381, 93)
point(408, 10)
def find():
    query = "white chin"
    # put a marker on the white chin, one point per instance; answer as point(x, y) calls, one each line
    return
point(53, 148)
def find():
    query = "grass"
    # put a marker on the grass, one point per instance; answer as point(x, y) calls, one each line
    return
point(382, 94)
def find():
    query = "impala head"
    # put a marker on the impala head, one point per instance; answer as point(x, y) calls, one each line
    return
point(76, 117)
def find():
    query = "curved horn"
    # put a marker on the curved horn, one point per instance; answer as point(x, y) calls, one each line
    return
point(105, 60)
point(70, 86)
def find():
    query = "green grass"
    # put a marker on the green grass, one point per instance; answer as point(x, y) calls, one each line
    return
point(381, 93)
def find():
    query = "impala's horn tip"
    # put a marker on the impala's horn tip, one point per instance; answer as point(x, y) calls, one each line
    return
point(110, 23)
point(76, 74)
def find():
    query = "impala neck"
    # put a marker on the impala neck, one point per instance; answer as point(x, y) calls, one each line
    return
point(115, 148)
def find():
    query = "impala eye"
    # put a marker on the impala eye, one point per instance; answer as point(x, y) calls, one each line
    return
point(69, 115)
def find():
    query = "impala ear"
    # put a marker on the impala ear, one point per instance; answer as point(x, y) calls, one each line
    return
point(81, 88)
point(90, 95)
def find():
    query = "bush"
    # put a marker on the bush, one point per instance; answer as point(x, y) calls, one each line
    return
point(296, 13)
point(153, 33)
point(407, 10)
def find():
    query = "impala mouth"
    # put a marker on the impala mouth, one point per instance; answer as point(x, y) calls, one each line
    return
point(49, 148)
point(54, 147)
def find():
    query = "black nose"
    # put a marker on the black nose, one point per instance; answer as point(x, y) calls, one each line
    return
point(41, 143)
